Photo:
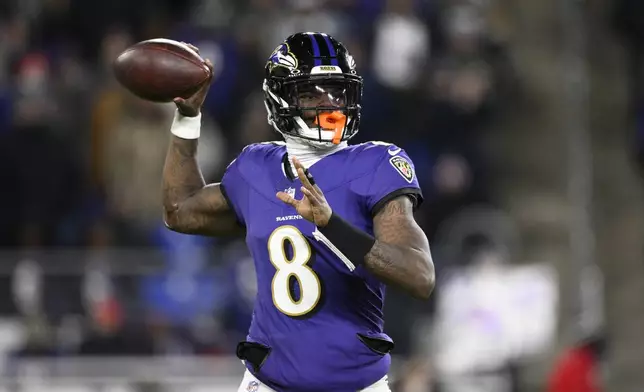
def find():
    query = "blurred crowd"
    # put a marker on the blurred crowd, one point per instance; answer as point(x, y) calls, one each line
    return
point(431, 67)
point(628, 18)
point(81, 158)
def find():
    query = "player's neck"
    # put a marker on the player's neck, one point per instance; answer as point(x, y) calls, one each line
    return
point(308, 154)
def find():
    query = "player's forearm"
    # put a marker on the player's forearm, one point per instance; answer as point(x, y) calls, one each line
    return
point(406, 267)
point(404, 262)
point(398, 254)
point(181, 174)
point(191, 206)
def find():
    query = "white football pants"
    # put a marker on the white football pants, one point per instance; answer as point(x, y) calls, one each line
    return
point(250, 383)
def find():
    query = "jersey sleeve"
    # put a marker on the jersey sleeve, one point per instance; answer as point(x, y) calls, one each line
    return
point(233, 187)
point(393, 176)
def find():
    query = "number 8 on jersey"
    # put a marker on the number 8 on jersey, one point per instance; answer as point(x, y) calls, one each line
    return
point(296, 266)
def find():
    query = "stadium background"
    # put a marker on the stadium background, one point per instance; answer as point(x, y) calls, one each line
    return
point(524, 119)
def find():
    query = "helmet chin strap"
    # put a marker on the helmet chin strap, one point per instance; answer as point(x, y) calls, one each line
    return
point(308, 153)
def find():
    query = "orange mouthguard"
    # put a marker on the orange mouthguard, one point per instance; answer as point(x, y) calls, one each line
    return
point(334, 120)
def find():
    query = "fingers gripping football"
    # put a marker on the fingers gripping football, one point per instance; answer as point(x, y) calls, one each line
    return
point(313, 205)
point(191, 107)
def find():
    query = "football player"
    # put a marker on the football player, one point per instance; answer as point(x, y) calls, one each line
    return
point(328, 224)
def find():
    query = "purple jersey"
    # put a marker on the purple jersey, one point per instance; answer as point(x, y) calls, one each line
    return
point(313, 313)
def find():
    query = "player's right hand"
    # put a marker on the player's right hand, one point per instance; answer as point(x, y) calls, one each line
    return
point(191, 107)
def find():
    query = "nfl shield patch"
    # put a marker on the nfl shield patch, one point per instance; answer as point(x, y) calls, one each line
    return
point(253, 386)
point(290, 191)
point(403, 167)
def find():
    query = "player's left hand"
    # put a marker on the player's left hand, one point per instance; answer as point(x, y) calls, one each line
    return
point(313, 205)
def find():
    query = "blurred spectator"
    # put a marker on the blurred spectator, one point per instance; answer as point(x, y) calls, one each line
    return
point(305, 15)
point(628, 18)
point(108, 334)
point(134, 142)
point(470, 75)
point(401, 49)
point(253, 127)
point(38, 342)
point(578, 367)
point(27, 288)
point(453, 187)
point(415, 376)
point(212, 14)
point(109, 337)
point(41, 176)
point(481, 330)
point(136, 139)
point(462, 84)
point(254, 22)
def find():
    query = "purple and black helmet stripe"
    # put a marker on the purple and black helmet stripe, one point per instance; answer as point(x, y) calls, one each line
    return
point(332, 53)
point(317, 59)
point(323, 51)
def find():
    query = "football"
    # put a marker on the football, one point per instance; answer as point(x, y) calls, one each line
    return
point(160, 70)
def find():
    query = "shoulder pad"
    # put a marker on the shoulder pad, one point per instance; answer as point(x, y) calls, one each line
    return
point(262, 148)
point(257, 151)
point(274, 143)
point(378, 150)
point(363, 158)
point(379, 143)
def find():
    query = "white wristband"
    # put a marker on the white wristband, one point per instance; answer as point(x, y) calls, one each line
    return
point(186, 127)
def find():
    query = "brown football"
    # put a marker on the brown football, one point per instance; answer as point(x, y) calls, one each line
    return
point(160, 70)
